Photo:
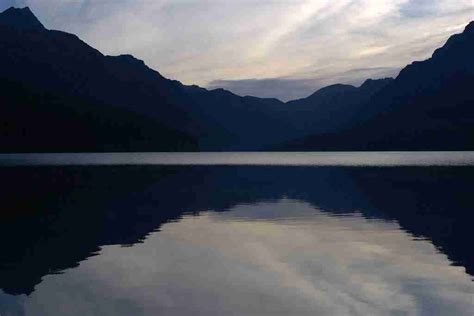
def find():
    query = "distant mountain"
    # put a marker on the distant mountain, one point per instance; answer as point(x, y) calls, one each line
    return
point(60, 94)
point(429, 106)
point(333, 107)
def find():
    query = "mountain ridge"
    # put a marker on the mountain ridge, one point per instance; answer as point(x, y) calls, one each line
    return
point(134, 108)
point(20, 18)
point(428, 106)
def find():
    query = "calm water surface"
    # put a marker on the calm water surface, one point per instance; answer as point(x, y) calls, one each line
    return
point(238, 235)
point(422, 158)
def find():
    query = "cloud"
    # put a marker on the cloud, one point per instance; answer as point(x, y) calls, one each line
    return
point(207, 42)
point(286, 89)
point(280, 88)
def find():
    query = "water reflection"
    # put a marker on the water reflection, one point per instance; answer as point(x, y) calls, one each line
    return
point(268, 240)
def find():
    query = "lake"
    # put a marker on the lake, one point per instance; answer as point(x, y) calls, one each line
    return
point(237, 234)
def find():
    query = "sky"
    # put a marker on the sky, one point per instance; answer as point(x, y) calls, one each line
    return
point(285, 49)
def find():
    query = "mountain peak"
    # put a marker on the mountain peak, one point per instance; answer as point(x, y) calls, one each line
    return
point(333, 89)
point(374, 83)
point(20, 18)
point(130, 59)
point(469, 27)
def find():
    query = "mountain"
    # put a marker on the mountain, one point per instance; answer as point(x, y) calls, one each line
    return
point(333, 107)
point(60, 94)
point(20, 19)
point(429, 106)
point(253, 122)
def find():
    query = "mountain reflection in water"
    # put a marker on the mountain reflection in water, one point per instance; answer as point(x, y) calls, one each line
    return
point(294, 240)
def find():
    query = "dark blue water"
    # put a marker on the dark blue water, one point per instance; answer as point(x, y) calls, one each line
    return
point(294, 239)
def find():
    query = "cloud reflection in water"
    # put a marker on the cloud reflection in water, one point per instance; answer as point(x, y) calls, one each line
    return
point(271, 258)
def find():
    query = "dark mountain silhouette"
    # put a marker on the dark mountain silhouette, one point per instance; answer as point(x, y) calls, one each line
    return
point(60, 94)
point(429, 106)
point(333, 107)
point(255, 123)
point(59, 216)
point(21, 19)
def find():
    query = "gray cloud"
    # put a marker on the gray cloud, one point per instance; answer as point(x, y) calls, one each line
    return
point(287, 89)
point(280, 88)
